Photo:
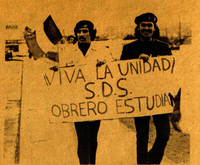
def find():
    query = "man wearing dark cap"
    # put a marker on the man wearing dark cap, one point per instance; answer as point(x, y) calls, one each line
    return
point(147, 44)
point(84, 52)
point(145, 47)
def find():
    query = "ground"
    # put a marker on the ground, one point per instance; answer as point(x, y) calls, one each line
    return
point(178, 146)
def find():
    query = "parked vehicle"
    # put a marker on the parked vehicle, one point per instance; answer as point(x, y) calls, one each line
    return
point(8, 54)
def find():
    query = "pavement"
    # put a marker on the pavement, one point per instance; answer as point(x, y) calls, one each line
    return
point(11, 102)
point(42, 142)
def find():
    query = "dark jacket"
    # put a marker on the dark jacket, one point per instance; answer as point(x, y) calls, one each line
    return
point(154, 48)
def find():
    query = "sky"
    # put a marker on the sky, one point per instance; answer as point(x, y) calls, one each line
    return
point(108, 16)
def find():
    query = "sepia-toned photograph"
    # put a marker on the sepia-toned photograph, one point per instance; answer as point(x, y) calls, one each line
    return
point(99, 82)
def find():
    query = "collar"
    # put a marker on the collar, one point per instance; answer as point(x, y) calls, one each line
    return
point(152, 41)
point(92, 47)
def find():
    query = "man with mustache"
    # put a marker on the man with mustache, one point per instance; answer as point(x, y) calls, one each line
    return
point(147, 44)
point(145, 47)
point(83, 52)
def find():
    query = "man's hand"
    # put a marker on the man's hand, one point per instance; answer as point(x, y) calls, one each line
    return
point(54, 68)
point(144, 57)
point(99, 63)
point(34, 48)
point(28, 34)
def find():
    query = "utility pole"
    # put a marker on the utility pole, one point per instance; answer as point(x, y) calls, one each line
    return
point(63, 33)
point(180, 31)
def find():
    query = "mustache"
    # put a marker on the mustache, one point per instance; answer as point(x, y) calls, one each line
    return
point(81, 37)
point(149, 30)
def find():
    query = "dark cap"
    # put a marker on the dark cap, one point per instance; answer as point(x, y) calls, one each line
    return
point(146, 17)
point(86, 24)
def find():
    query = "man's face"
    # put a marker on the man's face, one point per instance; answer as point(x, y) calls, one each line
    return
point(146, 29)
point(71, 40)
point(83, 35)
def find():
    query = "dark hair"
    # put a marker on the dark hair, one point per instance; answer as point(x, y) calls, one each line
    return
point(156, 33)
point(89, 25)
point(71, 36)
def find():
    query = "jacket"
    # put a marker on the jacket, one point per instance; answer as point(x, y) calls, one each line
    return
point(153, 48)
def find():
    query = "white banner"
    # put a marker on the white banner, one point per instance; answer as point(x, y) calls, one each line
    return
point(114, 90)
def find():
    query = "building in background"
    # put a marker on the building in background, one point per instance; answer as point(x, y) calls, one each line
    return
point(15, 44)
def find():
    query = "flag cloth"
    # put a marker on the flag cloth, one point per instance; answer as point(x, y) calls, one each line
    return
point(34, 48)
point(51, 30)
